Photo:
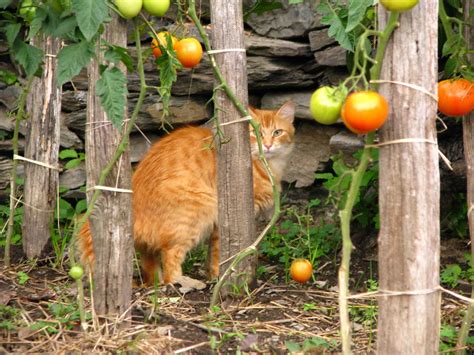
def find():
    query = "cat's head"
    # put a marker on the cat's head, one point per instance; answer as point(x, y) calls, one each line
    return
point(276, 130)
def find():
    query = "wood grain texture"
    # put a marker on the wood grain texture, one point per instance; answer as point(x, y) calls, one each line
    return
point(410, 188)
point(111, 221)
point(42, 145)
point(236, 211)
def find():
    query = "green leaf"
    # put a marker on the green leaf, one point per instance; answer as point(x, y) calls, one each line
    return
point(11, 32)
point(37, 22)
point(292, 347)
point(450, 45)
point(450, 67)
point(116, 54)
point(22, 277)
point(72, 58)
point(112, 90)
point(29, 57)
point(168, 74)
point(90, 15)
point(81, 206)
point(67, 154)
point(5, 3)
point(73, 163)
point(334, 19)
point(357, 9)
point(64, 27)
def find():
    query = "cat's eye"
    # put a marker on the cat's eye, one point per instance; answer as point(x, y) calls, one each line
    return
point(277, 132)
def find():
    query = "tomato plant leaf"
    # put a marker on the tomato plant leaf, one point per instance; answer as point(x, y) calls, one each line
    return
point(450, 67)
point(335, 20)
point(64, 27)
point(357, 9)
point(37, 22)
point(262, 6)
point(115, 54)
point(72, 58)
point(112, 90)
point(11, 32)
point(29, 57)
point(5, 3)
point(168, 75)
point(90, 15)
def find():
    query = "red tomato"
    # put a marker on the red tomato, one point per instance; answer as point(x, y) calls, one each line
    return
point(364, 111)
point(455, 97)
point(189, 52)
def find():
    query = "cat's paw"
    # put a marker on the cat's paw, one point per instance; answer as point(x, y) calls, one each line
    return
point(188, 284)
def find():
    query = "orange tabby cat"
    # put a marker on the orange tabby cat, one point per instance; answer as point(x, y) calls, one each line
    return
point(175, 193)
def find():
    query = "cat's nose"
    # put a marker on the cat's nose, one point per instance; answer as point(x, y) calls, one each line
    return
point(267, 146)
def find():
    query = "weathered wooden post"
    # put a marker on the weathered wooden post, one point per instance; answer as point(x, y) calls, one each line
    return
point(468, 136)
point(236, 211)
point(111, 220)
point(42, 148)
point(409, 320)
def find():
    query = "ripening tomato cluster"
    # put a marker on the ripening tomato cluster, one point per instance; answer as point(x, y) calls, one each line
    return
point(361, 111)
point(131, 8)
point(188, 50)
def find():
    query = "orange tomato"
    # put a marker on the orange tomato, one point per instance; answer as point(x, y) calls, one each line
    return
point(455, 97)
point(163, 40)
point(301, 270)
point(189, 52)
point(364, 111)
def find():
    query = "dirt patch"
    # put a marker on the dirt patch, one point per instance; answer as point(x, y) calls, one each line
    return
point(38, 313)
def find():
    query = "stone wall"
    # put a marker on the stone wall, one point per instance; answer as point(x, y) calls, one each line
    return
point(289, 55)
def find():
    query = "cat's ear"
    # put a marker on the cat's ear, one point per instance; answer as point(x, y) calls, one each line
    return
point(287, 111)
point(253, 111)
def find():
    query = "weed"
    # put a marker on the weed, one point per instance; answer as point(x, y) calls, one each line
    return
point(299, 235)
point(454, 218)
point(10, 317)
point(311, 345)
point(74, 158)
point(22, 277)
point(452, 274)
point(65, 316)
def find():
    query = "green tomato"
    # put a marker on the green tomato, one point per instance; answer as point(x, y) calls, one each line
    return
point(76, 272)
point(27, 10)
point(326, 103)
point(129, 8)
point(55, 5)
point(156, 7)
point(59, 5)
point(398, 5)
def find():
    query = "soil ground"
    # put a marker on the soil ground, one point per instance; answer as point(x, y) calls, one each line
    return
point(38, 313)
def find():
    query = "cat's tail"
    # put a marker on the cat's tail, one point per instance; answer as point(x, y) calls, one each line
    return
point(84, 247)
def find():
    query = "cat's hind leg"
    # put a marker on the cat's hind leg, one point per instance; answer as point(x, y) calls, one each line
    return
point(151, 268)
point(213, 255)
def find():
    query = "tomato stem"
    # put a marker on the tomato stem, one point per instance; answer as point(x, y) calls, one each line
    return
point(345, 214)
point(384, 36)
